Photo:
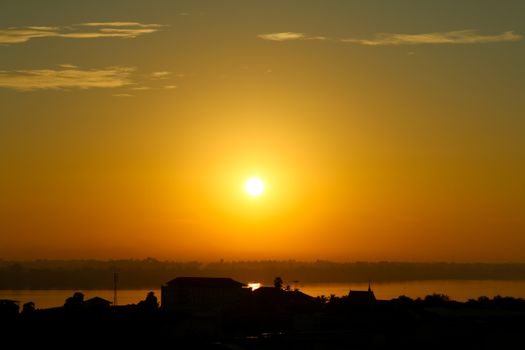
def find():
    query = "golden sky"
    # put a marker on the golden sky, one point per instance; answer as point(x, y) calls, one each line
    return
point(382, 130)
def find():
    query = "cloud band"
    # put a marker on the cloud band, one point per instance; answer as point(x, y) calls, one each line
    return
point(17, 35)
point(468, 36)
point(68, 77)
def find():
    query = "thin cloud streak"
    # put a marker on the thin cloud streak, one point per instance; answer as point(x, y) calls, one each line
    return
point(17, 35)
point(160, 75)
point(121, 24)
point(43, 28)
point(283, 36)
point(68, 65)
point(141, 88)
point(65, 78)
point(22, 35)
point(468, 36)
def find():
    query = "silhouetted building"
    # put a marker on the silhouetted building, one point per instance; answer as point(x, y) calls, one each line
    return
point(271, 299)
point(276, 294)
point(8, 309)
point(97, 303)
point(202, 294)
point(361, 297)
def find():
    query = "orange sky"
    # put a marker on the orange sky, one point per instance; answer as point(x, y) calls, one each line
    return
point(382, 132)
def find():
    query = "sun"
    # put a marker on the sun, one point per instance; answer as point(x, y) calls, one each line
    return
point(254, 186)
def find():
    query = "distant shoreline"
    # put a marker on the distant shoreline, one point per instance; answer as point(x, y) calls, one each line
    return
point(151, 273)
point(312, 283)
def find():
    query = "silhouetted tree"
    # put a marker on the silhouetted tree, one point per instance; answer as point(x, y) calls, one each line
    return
point(483, 299)
point(150, 303)
point(278, 282)
point(436, 299)
point(28, 308)
point(321, 299)
point(403, 299)
point(75, 301)
point(333, 298)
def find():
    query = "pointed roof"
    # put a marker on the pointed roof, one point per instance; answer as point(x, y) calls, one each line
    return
point(360, 296)
point(206, 282)
point(97, 301)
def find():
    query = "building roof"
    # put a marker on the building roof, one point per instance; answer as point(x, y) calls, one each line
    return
point(206, 282)
point(361, 296)
point(97, 301)
point(359, 293)
point(272, 292)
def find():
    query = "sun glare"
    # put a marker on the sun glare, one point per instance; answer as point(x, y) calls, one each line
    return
point(254, 187)
point(254, 285)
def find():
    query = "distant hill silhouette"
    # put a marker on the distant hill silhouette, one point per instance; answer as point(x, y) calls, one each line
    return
point(151, 273)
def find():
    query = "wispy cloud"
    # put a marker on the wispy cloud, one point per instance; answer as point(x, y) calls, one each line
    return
point(282, 36)
point(66, 78)
point(21, 35)
point(468, 36)
point(161, 75)
point(68, 65)
point(43, 28)
point(16, 35)
point(141, 88)
point(121, 24)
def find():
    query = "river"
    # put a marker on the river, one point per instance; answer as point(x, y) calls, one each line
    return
point(460, 290)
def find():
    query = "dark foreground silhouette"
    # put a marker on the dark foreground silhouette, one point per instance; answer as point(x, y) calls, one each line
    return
point(271, 318)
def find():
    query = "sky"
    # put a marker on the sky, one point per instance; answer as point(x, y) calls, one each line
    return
point(382, 130)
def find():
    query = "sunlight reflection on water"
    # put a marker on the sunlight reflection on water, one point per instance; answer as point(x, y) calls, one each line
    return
point(457, 290)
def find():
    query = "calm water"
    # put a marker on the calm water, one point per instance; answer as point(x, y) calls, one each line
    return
point(457, 290)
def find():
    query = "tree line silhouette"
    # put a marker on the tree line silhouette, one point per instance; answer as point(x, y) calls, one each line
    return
point(276, 319)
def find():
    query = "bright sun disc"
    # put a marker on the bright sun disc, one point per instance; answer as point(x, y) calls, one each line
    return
point(254, 186)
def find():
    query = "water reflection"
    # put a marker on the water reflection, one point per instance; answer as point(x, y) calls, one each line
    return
point(457, 290)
